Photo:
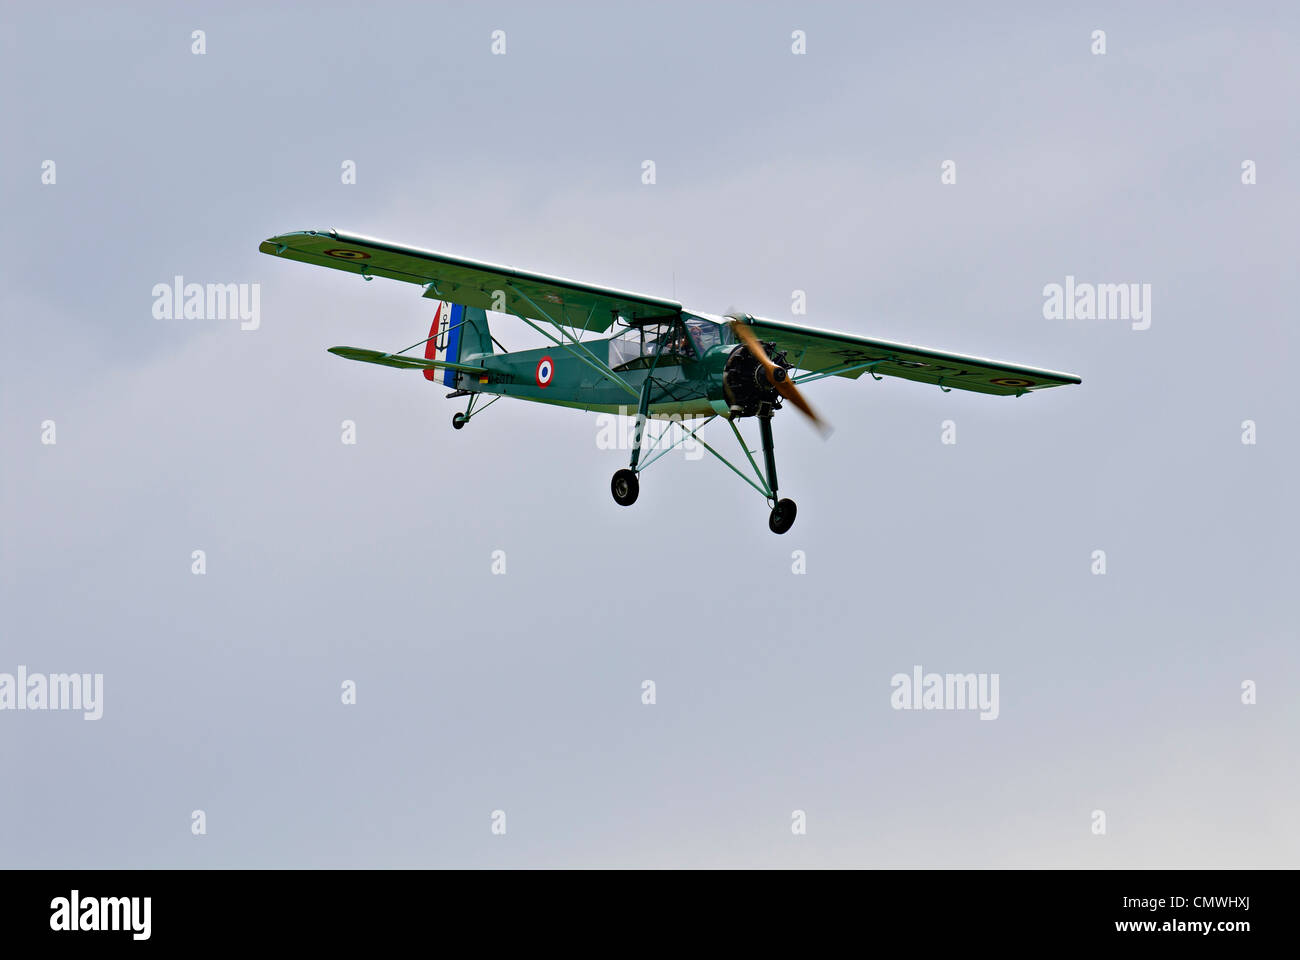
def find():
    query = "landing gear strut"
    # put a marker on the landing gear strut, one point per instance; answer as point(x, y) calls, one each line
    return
point(625, 486)
point(458, 420)
point(783, 511)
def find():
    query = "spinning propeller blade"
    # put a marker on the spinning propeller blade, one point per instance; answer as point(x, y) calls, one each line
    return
point(778, 377)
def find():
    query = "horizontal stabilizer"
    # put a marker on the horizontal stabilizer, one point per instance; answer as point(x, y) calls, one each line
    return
point(398, 360)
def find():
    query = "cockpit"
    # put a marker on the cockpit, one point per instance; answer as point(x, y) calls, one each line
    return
point(673, 341)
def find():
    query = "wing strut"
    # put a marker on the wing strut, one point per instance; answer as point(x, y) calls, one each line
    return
point(573, 347)
point(836, 371)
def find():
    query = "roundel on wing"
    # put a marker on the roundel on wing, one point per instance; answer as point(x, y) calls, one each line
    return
point(347, 254)
point(1012, 382)
point(545, 370)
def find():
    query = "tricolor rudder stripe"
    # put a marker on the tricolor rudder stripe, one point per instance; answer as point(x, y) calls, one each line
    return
point(444, 341)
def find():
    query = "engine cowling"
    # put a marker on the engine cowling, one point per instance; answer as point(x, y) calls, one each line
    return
point(744, 381)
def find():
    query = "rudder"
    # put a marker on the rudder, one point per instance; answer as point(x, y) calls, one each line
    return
point(459, 334)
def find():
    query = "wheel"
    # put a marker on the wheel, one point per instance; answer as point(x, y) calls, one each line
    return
point(782, 518)
point(459, 420)
point(625, 486)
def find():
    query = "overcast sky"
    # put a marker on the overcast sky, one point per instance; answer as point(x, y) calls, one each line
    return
point(775, 172)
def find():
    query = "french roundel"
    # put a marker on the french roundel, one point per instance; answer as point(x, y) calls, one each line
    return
point(545, 370)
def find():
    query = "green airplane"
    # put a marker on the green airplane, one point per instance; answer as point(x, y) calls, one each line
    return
point(669, 362)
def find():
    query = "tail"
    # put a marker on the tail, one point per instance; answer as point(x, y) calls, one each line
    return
point(458, 335)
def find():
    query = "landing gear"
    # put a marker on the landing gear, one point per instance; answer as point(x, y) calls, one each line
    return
point(625, 484)
point(625, 487)
point(782, 518)
point(458, 420)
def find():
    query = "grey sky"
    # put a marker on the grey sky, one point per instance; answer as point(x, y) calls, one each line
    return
point(521, 692)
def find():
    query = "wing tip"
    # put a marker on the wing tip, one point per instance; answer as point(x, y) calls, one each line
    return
point(277, 244)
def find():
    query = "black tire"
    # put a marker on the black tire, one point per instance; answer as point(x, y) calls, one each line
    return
point(458, 421)
point(625, 487)
point(782, 518)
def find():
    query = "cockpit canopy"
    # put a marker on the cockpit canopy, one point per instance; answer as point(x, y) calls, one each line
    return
point(682, 340)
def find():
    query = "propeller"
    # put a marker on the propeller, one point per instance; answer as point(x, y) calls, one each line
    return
point(778, 376)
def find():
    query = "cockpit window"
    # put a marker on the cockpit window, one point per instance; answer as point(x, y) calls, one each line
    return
point(706, 334)
point(625, 348)
point(640, 345)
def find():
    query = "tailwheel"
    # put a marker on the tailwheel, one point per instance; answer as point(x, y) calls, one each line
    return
point(459, 420)
point(625, 487)
point(782, 518)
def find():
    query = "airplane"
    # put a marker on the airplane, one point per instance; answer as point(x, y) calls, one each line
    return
point(674, 364)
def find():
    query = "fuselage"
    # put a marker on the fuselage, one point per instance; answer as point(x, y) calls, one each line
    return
point(685, 359)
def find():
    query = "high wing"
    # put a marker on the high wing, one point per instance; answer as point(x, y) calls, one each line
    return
point(473, 283)
point(826, 353)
